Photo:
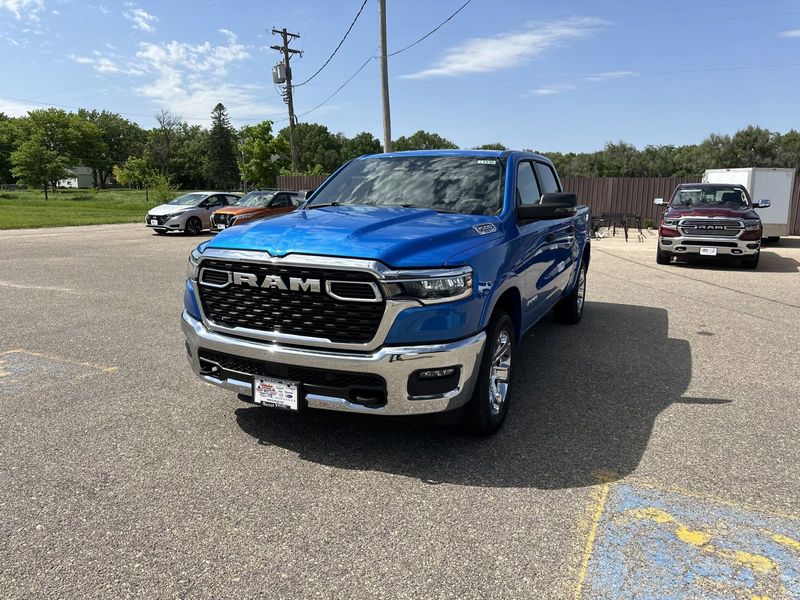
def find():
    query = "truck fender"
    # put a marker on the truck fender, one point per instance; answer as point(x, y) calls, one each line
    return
point(508, 293)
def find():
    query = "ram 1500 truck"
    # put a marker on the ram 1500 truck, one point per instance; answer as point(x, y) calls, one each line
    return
point(710, 220)
point(402, 286)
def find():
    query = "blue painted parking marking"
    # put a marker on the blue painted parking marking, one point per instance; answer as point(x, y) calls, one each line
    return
point(655, 544)
point(22, 370)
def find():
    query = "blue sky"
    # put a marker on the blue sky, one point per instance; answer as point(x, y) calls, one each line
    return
point(562, 76)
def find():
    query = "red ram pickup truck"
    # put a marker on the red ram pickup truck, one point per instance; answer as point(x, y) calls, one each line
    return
point(710, 220)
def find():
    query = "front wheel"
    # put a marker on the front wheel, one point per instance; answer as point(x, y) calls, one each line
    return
point(193, 226)
point(486, 410)
point(751, 262)
point(662, 258)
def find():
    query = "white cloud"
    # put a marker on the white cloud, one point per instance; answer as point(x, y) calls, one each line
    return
point(23, 9)
point(14, 108)
point(481, 55)
point(550, 90)
point(191, 78)
point(791, 33)
point(141, 18)
point(105, 65)
point(611, 75)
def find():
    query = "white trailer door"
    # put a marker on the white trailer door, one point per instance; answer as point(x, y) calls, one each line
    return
point(775, 186)
point(732, 176)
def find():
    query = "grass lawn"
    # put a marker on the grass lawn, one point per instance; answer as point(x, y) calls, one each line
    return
point(28, 208)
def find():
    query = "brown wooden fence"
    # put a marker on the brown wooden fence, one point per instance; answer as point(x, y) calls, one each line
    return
point(300, 182)
point(633, 195)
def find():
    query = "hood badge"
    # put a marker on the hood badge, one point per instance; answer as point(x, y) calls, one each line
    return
point(484, 228)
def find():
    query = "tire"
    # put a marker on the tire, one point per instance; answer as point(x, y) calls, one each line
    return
point(662, 258)
point(751, 262)
point(193, 226)
point(569, 309)
point(487, 409)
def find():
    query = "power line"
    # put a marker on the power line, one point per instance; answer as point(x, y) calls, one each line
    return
point(346, 33)
point(340, 88)
point(432, 31)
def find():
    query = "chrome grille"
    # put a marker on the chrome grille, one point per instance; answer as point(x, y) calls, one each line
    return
point(721, 228)
point(300, 313)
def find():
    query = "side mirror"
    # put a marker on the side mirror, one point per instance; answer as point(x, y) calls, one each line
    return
point(762, 204)
point(556, 205)
point(659, 202)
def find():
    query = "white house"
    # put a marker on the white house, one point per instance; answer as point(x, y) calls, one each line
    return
point(82, 178)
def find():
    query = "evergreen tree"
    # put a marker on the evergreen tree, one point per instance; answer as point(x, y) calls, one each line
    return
point(223, 169)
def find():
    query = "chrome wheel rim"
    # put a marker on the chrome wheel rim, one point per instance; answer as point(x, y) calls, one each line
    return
point(581, 289)
point(499, 372)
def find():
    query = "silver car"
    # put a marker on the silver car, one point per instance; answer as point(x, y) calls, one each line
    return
point(190, 213)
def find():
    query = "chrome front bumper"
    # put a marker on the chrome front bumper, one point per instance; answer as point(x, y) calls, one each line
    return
point(691, 245)
point(394, 363)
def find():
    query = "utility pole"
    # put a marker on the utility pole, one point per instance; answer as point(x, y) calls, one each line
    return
point(387, 119)
point(287, 53)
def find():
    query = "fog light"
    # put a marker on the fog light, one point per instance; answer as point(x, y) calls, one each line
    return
point(437, 373)
point(432, 383)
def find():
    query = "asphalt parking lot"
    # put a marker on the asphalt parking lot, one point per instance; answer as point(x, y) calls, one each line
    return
point(651, 451)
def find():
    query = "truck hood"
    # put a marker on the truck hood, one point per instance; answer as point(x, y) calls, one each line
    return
point(745, 213)
point(398, 237)
point(169, 209)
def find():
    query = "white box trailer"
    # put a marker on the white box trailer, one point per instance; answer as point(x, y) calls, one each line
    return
point(775, 185)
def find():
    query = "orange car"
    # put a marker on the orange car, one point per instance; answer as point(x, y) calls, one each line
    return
point(255, 205)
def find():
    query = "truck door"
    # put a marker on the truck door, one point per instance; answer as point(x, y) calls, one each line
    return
point(564, 245)
point(537, 254)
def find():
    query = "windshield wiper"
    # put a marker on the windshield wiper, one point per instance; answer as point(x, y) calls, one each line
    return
point(323, 205)
point(438, 210)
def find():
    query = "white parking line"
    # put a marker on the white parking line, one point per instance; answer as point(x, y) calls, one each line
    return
point(19, 286)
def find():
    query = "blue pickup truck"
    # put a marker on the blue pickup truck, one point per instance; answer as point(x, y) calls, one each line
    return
point(402, 286)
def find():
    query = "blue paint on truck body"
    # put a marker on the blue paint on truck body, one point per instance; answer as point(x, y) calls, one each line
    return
point(528, 266)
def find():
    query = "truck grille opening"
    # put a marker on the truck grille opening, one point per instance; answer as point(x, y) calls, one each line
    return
point(722, 228)
point(359, 388)
point(221, 219)
point(297, 312)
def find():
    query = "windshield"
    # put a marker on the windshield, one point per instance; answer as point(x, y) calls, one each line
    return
point(457, 184)
point(256, 199)
point(710, 197)
point(188, 199)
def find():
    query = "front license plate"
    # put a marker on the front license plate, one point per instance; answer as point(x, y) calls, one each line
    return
point(275, 393)
point(153, 222)
point(221, 226)
point(708, 251)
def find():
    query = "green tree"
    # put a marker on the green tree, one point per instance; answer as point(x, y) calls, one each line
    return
point(422, 140)
point(493, 146)
point(190, 165)
point(121, 138)
point(135, 172)
point(262, 156)
point(7, 139)
point(317, 147)
point(38, 165)
point(619, 160)
point(787, 149)
point(359, 145)
point(223, 169)
point(163, 140)
point(753, 147)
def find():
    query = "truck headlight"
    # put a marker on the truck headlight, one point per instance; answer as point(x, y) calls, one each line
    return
point(430, 287)
point(191, 266)
point(669, 223)
point(752, 224)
